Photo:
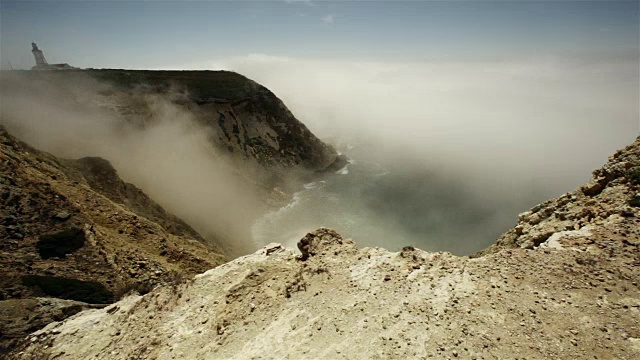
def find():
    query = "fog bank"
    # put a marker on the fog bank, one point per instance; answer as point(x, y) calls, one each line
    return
point(499, 135)
point(167, 154)
point(467, 144)
point(561, 114)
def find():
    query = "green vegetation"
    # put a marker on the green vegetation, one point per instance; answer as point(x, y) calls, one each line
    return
point(60, 243)
point(201, 84)
point(635, 201)
point(633, 176)
point(71, 289)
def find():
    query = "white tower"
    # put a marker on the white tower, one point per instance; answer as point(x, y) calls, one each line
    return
point(41, 62)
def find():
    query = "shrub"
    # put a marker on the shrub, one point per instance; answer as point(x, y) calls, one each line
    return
point(635, 201)
point(60, 243)
point(633, 176)
point(71, 289)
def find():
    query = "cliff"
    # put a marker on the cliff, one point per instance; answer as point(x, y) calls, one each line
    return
point(72, 229)
point(561, 284)
point(246, 121)
point(74, 233)
point(602, 210)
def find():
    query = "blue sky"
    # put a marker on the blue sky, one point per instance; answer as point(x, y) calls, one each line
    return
point(137, 34)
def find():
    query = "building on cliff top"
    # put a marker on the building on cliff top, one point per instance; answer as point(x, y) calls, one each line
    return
point(41, 62)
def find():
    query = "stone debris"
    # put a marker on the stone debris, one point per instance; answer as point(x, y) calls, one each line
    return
point(342, 302)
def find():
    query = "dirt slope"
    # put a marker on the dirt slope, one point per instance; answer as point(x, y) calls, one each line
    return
point(571, 294)
point(83, 235)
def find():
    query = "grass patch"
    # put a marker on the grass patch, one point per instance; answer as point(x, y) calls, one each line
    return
point(60, 243)
point(91, 292)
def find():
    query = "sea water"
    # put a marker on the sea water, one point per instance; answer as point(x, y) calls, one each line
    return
point(391, 208)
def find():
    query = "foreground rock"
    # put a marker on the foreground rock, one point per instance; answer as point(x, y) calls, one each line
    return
point(20, 317)
point(342, 302)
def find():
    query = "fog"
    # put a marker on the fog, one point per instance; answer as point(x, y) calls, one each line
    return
point(169, 156)
point(550, 118)
point(471, 142)
point(464, 145)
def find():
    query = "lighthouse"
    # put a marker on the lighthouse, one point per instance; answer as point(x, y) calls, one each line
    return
point(41, 62)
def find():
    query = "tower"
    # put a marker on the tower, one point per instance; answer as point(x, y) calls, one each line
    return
point(41, 62)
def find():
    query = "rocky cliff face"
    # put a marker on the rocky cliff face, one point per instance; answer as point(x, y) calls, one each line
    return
point(72, 229)
point(602, 210)
point(562, 284)
point(245, 119)
point(249, 120)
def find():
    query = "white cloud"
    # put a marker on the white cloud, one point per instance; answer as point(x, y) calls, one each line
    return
point(328, 19)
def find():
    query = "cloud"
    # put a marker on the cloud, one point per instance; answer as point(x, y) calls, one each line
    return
point(264, 58)
point(305, 2)
point(328, 19)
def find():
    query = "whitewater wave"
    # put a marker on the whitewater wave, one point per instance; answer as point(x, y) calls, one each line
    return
point(314, 185)
point(258, 233)
point(345, 169)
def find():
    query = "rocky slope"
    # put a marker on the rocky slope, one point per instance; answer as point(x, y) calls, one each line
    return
point(72, 229)
point(562, 284)
point(604, 209)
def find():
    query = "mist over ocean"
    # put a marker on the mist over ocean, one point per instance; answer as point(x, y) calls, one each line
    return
point(390, 206)
point(446, 154)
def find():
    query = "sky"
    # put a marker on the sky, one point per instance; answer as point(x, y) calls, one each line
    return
point(161, 34)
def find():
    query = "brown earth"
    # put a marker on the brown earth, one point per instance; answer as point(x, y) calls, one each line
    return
point(73, 229)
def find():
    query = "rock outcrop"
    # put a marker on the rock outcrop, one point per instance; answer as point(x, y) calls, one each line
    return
point(602, 210)
point(570, 294)
point(248, 119)
point(344, 302)
point(74, 230)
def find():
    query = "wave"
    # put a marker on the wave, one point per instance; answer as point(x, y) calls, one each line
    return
point(345, 169)
point(313, 185)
